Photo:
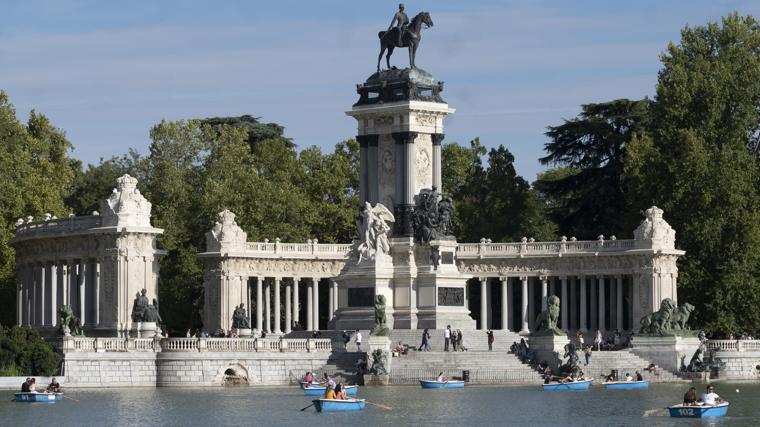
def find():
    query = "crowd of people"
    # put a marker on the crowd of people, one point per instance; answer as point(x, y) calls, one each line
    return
point(30, 386)
point(523, 352)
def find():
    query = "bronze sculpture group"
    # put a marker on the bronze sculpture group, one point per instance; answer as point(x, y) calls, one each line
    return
point(142, 311)
point(670, 319)
point(404, 34)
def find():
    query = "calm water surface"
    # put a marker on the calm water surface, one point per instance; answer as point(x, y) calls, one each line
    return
point(473, 406)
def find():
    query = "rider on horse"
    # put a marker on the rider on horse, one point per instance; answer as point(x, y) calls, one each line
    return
point(402, 20)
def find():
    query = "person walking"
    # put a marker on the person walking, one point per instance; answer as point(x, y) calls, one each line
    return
point(598, 340)
point(454, 338)
point(587, 353)
point(358, 340)
point(490, 339)
point(425, 346)
point(446, 337)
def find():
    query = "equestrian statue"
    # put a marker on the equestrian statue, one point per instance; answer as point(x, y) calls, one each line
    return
point(404, 34)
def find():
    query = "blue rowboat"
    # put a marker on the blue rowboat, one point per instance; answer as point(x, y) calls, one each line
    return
point(332, 405)
point(626, 385)
point(578, 385)
point(441, 384)
point(703, 411)
point(39, 397)
point(321, 390)
point(313, 383)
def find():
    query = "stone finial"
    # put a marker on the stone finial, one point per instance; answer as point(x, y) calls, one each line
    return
point(563, 239)
point(48, 216)
point(95, 213)
point(226, 236)
point(532, 240)
point(654, 232)
point(126, 207)
point(19, 222)
point(29, 219)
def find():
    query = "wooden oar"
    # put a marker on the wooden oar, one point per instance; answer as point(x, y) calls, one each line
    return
point(67, 397)
point(650, 412)
point(303, 409)
point(387, 408)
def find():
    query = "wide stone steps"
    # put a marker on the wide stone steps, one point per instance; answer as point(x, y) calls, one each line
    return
point(602, 362)
point(473, 340)
point(484, 367)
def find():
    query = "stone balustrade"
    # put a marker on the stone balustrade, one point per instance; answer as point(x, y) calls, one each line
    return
point(733, 345)
point(53, 226)
point(308, 250)
point(519, 249)
point(99, 345)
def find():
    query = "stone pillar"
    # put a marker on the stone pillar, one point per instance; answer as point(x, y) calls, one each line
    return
point(316, 303)
point(288, 321)
point(19, 298)
point(268, 306)
point(334, 285)
point(619, 305)
point(97, 292)
point(372, 172)
point(363, 168)
point(331, 302)
point(309, 306)
point(544, 293)
point(277, 329)
point(27, 295)
point(524, 330)
point(593, 309)
point(564, 303)
point(504, 303)
point(82, 282)
point(405, 182)
point(71, 282)
point(437, 138)
point(51, 300)
point(582, 325)
point(602, 324)
point(296, 305)
point(44, 311)
point(483, 303)
point(259, 303)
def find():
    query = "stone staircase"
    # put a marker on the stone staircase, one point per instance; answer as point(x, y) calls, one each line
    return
point(486, 367)
point(602, 362)
point(473, 340)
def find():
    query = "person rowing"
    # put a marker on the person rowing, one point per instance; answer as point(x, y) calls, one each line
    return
point(441, 378)
point(54, 386)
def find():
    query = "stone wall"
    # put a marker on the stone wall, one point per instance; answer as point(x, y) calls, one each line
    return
point(186, 369)
point(739, 365)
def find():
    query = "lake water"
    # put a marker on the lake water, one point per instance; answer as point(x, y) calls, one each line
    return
point(472, 406)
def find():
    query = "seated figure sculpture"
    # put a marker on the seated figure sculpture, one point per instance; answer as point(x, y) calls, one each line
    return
point(546, 322)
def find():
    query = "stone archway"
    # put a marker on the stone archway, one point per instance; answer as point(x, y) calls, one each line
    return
point(233, 374)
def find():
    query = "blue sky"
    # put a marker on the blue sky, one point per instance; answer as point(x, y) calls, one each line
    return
point(105, 72)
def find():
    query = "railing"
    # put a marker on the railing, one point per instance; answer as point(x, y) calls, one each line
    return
point(494, 250)
point(59, 225)
point(298, 250)
point(194, 345)
point(733, 345)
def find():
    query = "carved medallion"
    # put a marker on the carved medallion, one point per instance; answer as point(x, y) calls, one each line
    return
point(388, 161)
point(423, 163)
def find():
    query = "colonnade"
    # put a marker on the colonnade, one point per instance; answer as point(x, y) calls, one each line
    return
point(267, 292)
point(587, 302)
point(42, 288)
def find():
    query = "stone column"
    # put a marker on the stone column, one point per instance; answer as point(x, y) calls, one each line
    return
point(309, 306)
point(504, 303)
point(437, 140)
point(277, 329)
point(593, 309)
point(582, 325)
point(405, 182)
point(19, 298)
point(268, 306)
point(259, 303)
point(316, 303)
point(544, 292)
point(331, 302)
point(636, 313)
point(602, 324)
point(483, 303)
point(363, 169)
point(372, 170)
point(82, 282)
point(97, 291)
point(334, 285)
point(296, 285)
point(28, 293)
point(288, 321)
point(44, 311)
point(619, 305)
point(524, 330)
point(564, 303)
point(71, 282)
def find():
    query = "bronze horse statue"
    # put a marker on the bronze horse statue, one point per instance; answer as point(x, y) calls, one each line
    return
point(410, 39)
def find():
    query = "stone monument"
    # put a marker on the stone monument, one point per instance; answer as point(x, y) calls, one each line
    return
point(240, 322)
point(404, 250)
point(145, 317)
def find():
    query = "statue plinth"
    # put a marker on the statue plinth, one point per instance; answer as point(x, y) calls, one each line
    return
point(407, 84)
point(244, 333)
point(549, 347)
point(665, 351)
point(144, 329)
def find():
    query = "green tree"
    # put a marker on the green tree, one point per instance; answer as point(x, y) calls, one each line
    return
point(697, 167)
point(91, 186)
point(35, 175)
point(24, 352)
point(592, 199)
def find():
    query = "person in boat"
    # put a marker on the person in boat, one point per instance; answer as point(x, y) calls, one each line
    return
point(340, 392)
point(308, 379)
point(709, 398)
point(441, 378)
point(329, 382)
point(33, 385)
point(54, 386)
point(690, 398)
point(628, 376)
point(330, 393)
point(609, 378)
point(639, 377)
point(25, 385)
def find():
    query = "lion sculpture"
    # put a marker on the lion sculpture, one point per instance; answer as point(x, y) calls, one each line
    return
point(668, 319)
point(546, 322)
